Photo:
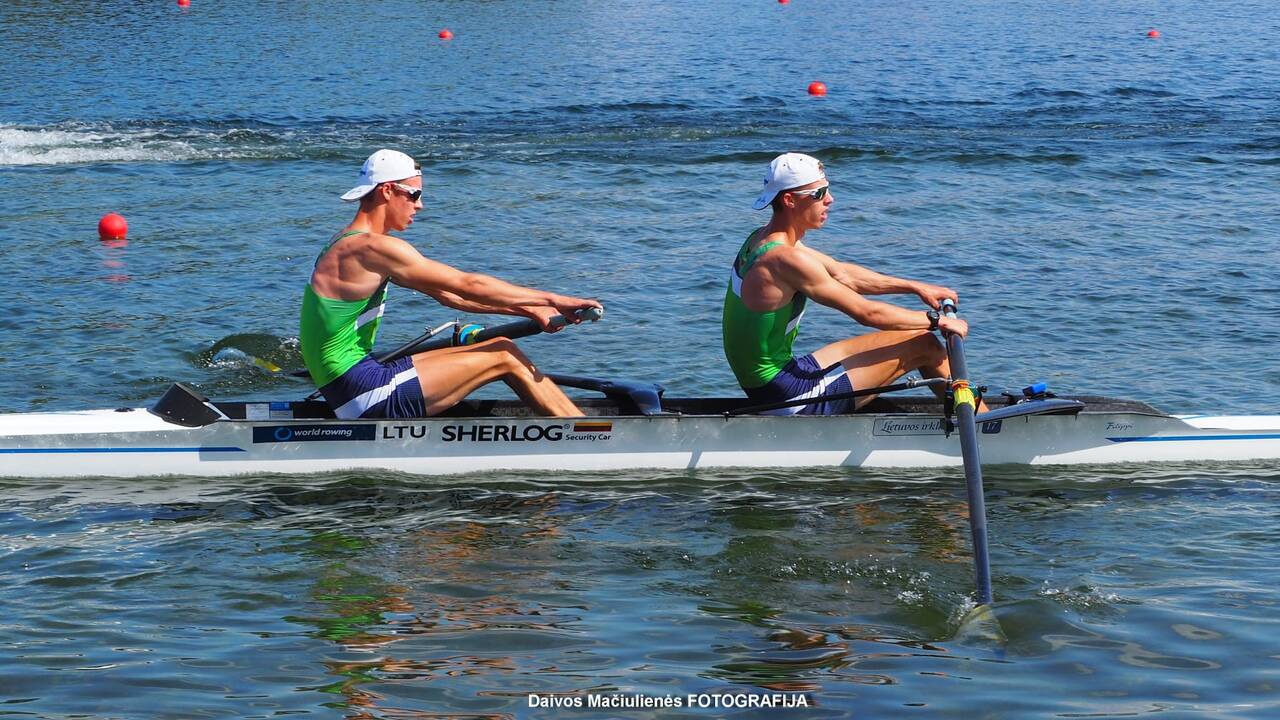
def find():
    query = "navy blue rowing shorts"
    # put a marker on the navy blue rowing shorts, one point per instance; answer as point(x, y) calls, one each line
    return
point(371, 389)
point(803, 378)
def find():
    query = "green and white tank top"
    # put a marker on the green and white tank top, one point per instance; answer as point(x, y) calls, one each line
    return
point(757, 344)
point(337, 334)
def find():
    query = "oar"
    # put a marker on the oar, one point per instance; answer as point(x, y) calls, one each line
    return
point(401, 351)
point(472, 334)
point(965, 409)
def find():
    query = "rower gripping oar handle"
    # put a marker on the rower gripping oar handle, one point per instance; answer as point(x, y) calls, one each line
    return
point(472, 334)
point(590, 314)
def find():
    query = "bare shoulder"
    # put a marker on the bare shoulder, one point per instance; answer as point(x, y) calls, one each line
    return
point(814, 253)
point(385, 243)
point(389, 249)
point(793, 259)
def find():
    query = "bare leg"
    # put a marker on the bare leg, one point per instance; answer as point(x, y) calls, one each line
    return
point(447, 376)
point(879, 358)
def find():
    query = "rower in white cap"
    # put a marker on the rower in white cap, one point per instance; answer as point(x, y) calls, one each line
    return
point(342, 307)
point(775, 273)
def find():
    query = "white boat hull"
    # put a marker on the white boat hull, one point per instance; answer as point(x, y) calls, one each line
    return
point(137, 443)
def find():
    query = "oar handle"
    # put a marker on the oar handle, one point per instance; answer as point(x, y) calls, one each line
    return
point(590, 314)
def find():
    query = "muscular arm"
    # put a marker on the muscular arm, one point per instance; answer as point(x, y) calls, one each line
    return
point(869, 282)
point(457, 302)
point(808, 274)
point(861, 280)
point(469, 292)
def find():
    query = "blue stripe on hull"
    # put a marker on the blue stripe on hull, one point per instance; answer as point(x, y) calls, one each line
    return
point(1189, 438)
point(59, 451)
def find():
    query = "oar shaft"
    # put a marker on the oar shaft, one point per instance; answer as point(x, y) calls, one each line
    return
point(407, 348)
point(968, 429)
point(517, 329)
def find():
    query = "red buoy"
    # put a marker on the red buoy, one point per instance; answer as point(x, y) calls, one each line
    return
point(1153, 33)
point(184, 3)
point(112, 227)
point(783, 2)
point(445, 34)
point(817, 88)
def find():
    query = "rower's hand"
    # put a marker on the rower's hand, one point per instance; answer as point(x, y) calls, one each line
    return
point(568, 306)
point(544, 316)
point(953, 326)
point(933, 295)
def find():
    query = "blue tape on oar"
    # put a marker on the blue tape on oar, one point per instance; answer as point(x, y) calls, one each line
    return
point(467, 333)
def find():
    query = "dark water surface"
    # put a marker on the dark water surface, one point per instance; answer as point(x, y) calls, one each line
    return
point(1104, 203)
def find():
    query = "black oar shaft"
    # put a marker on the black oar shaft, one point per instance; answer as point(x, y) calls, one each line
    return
point(965, 407)
point(517, 329)
point(407, 348)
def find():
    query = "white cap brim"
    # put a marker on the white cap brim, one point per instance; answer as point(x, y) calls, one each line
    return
point(357, 192)
point(765, 198)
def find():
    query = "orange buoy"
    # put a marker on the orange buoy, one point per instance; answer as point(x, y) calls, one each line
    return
point(817, 88)
point(1153, 33)
point(112, 227)
point(445, 34)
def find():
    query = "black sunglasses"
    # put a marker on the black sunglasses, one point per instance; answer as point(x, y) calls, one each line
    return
point(816, 193)
point(412, 192)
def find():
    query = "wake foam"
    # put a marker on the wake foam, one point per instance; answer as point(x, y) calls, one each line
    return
point(69, 145)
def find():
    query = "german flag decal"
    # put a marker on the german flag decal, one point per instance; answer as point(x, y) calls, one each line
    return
point(596, 427)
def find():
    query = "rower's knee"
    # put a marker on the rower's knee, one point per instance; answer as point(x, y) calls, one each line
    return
point(928, 348)
point(509, 358)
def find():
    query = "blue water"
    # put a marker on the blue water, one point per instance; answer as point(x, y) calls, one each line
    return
point(1103, 202)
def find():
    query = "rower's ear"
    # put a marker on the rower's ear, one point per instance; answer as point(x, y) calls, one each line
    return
point(373, 198)
point(380, 194)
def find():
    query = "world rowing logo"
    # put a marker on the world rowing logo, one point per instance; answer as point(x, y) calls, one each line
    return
point(312, 433)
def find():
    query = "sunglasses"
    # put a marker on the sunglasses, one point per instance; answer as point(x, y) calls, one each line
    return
point(816, 193)
point(412, 192)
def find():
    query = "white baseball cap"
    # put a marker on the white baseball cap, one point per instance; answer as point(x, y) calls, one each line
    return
point(382, 166)
point(789, 170)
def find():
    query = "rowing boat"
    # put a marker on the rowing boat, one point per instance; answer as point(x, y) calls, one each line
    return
point(632, 426)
